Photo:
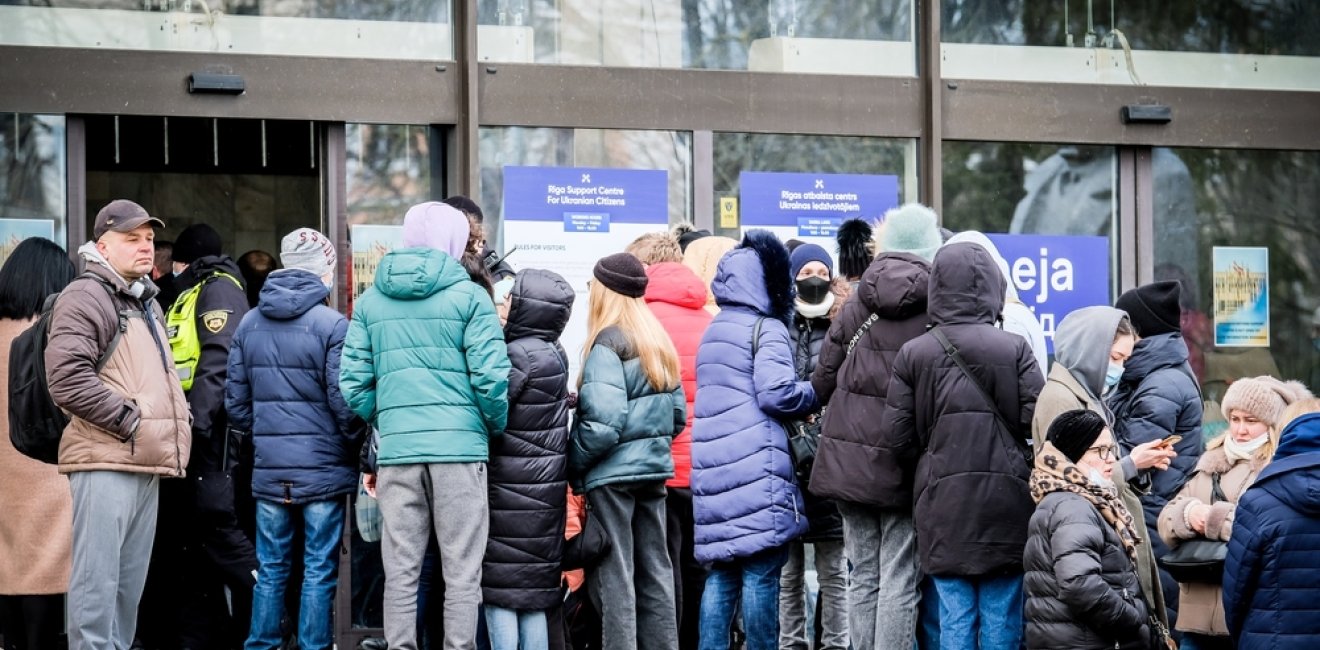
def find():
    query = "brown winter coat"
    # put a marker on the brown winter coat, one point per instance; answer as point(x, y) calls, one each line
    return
point(1201, 606)
point(132, 416)
point(36, 521)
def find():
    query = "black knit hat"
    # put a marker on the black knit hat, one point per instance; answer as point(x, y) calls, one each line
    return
point(689, 237)
point(621, 273)
point(195, 242)
point(1153, 308)
point(1073, 432)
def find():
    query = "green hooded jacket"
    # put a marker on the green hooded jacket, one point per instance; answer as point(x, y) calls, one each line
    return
point(425, 361)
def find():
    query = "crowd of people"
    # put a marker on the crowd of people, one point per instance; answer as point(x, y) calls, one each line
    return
point(741, 407)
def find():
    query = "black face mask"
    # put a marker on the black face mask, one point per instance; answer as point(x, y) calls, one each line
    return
point(813, 290)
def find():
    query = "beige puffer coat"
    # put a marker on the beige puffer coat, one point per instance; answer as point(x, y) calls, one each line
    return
point(131, 416)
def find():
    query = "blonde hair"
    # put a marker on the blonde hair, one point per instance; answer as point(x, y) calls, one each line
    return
point(1298, 409)
point(634, 319)
point(655, 247)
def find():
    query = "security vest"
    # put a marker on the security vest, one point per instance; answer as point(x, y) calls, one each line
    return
point(181, 325)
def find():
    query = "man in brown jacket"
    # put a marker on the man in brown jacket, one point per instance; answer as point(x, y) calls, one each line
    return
point(129, 422)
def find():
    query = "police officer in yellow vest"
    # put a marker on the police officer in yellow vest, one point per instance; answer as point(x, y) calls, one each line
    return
point(213, 550)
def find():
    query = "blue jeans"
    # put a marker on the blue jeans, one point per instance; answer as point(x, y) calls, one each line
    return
point(753, 581)
point(1205, 642)
point(517, 629)
point(981, 613)
point(323, 525)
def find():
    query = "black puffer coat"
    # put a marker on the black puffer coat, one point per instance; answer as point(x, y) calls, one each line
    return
point(972, 504)
point(823, 515)
point(528, 478)
point(1081, 588)
point(851, 465)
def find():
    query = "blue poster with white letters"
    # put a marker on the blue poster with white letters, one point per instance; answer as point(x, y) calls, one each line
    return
point(813, 204)
point(586, 199)
point(1056, 274)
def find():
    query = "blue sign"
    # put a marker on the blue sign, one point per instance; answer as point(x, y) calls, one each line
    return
point(813, 203)
point(586, 199)
point(1056, 274)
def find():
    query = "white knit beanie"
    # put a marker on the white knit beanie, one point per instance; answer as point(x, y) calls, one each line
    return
point(308, 250)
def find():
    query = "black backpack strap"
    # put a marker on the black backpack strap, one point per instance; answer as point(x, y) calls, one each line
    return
point(756, 337)
point(1216, 492)
point(952, 352)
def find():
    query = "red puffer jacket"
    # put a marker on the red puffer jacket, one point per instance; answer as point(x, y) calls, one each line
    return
point(678, 299)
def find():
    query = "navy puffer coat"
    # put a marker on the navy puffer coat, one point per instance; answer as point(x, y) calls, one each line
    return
point(528, 478)
point(283, 386)
point(745, 497)
point(1272, 573)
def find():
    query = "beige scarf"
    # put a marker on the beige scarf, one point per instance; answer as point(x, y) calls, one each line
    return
point(1055, 473)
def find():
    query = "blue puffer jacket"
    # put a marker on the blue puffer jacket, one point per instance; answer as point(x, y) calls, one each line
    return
point(624, 428)
point(1272, 573)
point(745, 498)
point(283, 386)
point(425, 361)
point(1158, 397)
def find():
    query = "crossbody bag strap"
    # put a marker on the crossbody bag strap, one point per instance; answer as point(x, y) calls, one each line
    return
point(756, 337)
point(1216, 492)
point(866, 325)
point(952, 351)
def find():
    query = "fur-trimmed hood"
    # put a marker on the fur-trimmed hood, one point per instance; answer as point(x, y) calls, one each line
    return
point(755, 275)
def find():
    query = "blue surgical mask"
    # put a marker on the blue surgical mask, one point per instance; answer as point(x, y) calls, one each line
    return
point(1112, 376)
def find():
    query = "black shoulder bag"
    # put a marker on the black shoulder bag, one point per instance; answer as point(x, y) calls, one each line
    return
point(1199, 560)
point(1007, 430)
point(804, 434)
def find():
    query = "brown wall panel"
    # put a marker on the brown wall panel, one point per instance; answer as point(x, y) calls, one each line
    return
point(67, 80)
point(1202, 117)
point(696, 100)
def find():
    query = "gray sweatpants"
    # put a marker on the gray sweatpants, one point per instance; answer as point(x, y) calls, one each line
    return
point(114, 526)
point(883, 590)
point(451, 499)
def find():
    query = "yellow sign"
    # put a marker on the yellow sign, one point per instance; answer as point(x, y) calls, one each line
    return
point(728, 212)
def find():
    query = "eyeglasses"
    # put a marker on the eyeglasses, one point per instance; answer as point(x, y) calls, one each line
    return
point(1107, 452)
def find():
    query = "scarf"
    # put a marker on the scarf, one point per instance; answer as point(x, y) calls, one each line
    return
point(1055, 473)
point(1237, 451)
point(809, 310)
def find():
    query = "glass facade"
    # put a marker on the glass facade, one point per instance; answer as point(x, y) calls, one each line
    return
point(389, 29)
point(33, 179)
point(873, 37)
point(1220, 43)
point(1241, 240)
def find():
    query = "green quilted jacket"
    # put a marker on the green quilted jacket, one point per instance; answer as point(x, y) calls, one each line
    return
point(425, 361)
point(624, 428)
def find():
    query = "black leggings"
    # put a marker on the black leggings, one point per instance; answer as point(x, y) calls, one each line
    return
point(32, 622)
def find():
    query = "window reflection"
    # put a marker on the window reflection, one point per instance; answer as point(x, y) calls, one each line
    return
point(32, 179)
point(393, 29)
point(1244, 198)
point(1216, 43)
point(824, 36)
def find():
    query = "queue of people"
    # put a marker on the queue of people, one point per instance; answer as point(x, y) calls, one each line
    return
point(741, 406)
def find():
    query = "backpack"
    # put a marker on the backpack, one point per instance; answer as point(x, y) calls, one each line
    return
point(36, 424)
point(181, 327)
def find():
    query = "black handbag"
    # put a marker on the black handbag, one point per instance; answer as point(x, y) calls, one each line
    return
point(1199, 560)
point(587, 548)
point(804, 434)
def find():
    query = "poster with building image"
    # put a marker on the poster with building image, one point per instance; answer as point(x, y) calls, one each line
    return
point(370, 244)
point(1242, 296)
point(14, 231)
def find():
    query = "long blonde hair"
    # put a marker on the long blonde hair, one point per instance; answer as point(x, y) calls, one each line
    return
point(634, 319)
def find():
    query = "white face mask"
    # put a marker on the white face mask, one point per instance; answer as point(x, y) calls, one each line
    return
point(1099, 479)
point(1242, 450)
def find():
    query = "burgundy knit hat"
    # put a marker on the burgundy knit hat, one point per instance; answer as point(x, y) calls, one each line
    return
point(621, 273)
